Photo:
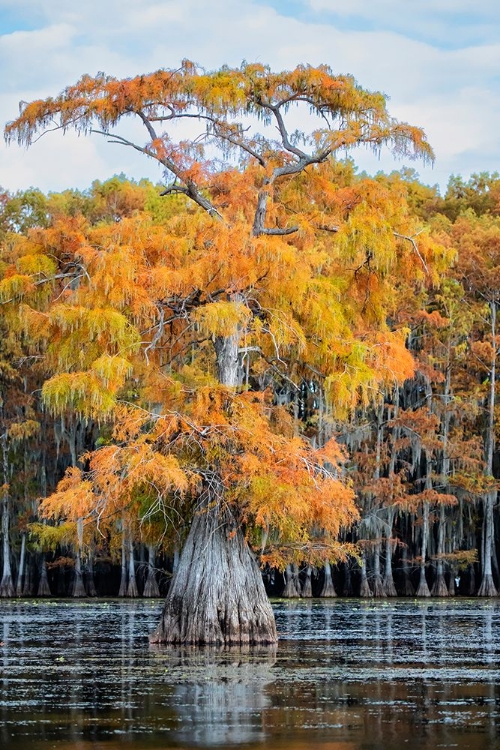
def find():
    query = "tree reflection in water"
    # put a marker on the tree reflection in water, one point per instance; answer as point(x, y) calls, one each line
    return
point(220, 694)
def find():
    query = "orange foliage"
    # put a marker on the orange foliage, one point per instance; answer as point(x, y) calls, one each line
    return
point(281, 251)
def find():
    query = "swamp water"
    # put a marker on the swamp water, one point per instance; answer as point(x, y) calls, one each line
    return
point(347, 675)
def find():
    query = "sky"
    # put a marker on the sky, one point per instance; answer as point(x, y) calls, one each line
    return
point(437, 60)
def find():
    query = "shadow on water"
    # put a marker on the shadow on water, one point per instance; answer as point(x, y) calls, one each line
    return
point(347, 675)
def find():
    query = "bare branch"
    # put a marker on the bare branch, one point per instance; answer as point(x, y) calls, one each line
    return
point(415, 247)
point(278, 231)
point(147, 123)
point(191, 190)
point(275, 109)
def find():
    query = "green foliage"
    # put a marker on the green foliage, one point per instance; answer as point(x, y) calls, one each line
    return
point(47, 538)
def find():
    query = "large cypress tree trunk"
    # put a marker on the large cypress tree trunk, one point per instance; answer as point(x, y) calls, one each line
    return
point(472, 580)
point(217, 594)
point(6, 584)
point(390, 588)
point(423, 588)
point(348, 588)
point(78, 585)
point(452, 588)
point(28, 578)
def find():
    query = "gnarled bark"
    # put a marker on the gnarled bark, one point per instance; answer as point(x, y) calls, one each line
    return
point(217, 595)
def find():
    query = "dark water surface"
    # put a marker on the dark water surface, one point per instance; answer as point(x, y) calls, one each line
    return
point(347, 675)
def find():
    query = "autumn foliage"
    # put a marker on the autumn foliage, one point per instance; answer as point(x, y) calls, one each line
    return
point(254, 322)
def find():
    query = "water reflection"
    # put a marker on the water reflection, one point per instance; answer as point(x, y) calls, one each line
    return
point(219, 694)
point(347, 675)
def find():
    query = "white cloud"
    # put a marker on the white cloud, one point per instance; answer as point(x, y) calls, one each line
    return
point(368, 8)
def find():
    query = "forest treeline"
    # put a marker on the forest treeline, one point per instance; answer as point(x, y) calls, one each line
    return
point(418, 448)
